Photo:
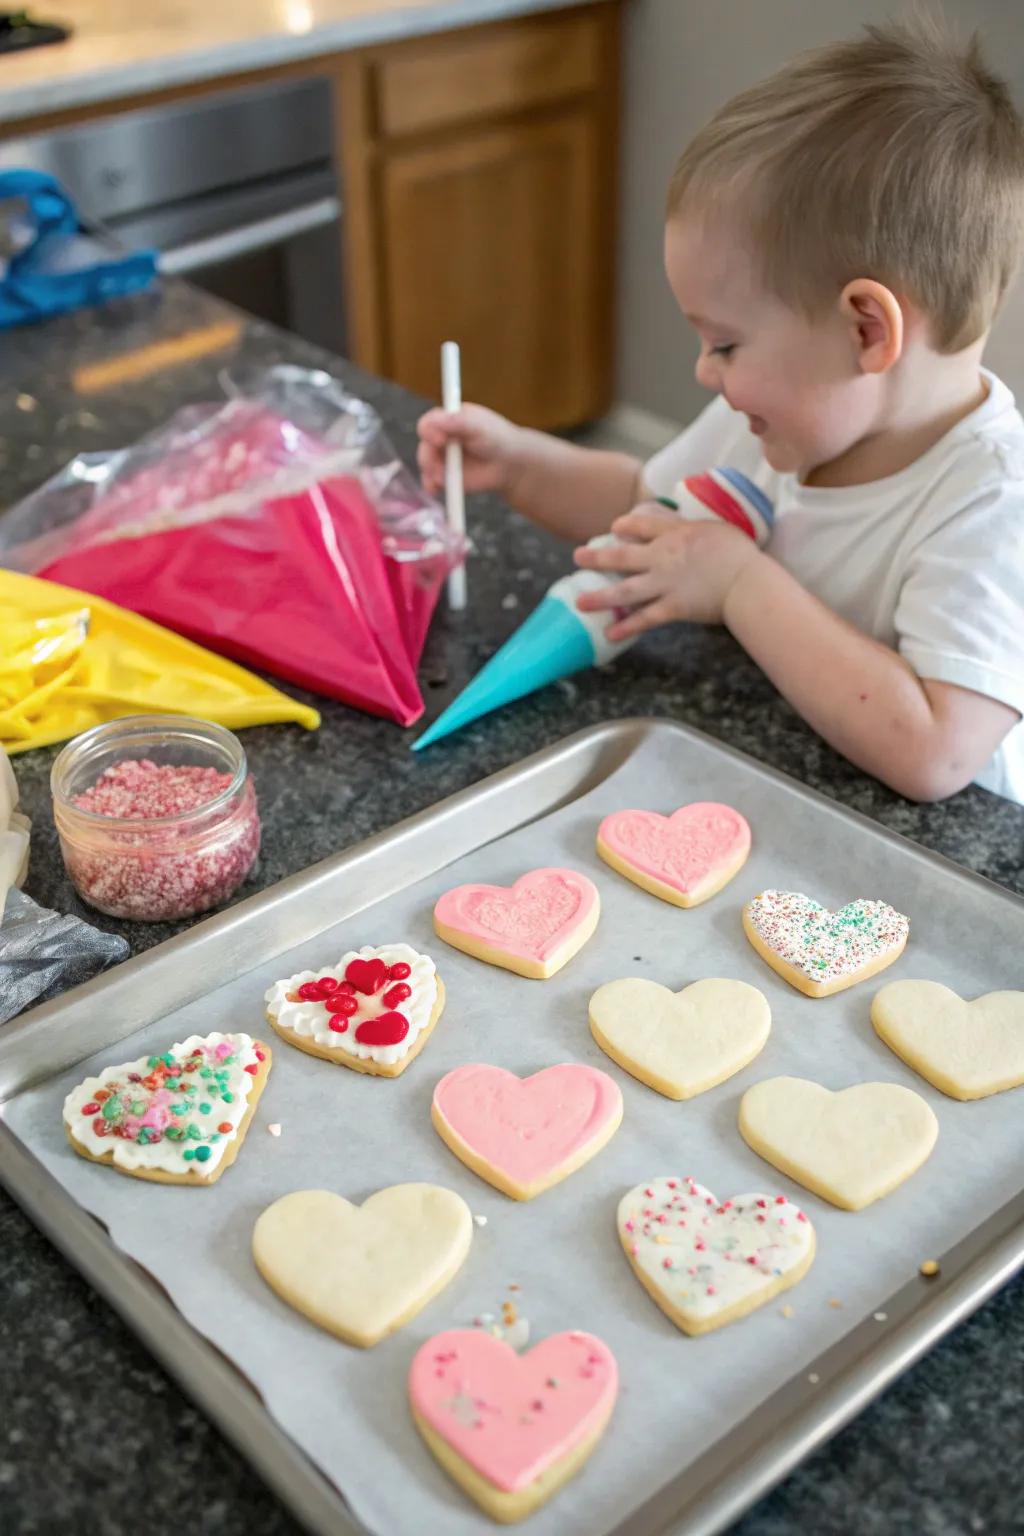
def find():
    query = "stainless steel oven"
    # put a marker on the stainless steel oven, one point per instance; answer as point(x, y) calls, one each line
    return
point(237, 191)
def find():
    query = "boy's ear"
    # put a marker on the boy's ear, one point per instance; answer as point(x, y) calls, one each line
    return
point(875, 318)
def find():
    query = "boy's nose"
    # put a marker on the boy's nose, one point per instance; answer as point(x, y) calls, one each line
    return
point(706, 373)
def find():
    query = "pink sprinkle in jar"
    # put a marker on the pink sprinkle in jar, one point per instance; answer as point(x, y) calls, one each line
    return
point(156, 816)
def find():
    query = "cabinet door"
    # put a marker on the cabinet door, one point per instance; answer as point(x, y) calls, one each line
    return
point(496, 239)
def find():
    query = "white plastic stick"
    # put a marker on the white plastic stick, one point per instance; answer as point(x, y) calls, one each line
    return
point(451, 397)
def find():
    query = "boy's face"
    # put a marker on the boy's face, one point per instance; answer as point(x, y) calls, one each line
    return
point(796, 380)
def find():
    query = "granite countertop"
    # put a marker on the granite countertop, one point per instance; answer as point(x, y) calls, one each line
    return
point(119, 48)
point(93, 1434)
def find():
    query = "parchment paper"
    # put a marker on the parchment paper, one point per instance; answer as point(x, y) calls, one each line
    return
point(344, 1131)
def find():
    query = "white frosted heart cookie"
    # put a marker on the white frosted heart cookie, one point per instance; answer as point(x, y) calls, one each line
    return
point(683, 858)
point(850, 1147)
point(967, 1049)
point(362, 1271)
point(176, 1118)
point(680, 1043)
point(820, 952)
point(374, 1011)
point(705, 1263)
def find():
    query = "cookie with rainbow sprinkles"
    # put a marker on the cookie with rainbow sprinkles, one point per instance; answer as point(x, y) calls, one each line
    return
point(176, 1118)
point(820, 951)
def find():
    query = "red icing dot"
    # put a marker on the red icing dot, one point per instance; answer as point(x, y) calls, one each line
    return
point(343, 1002)
point(385, 1029)
point(399, 971)
point(260, 1055)
point(328, 984)
point(253, 1068)
point(101, 1095)
point(367, 976)
point(338, 1025)
point(346, 986)
point(90, 1109)
point(310, 992)
point(397, 994)
point(780, 1199)
point(225, 1128)
point(100, 1126)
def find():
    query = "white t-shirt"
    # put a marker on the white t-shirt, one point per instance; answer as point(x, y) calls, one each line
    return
point(930, 561)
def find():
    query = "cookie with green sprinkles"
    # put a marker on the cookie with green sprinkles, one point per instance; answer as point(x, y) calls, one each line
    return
point(820, 951)
point(176, 1118)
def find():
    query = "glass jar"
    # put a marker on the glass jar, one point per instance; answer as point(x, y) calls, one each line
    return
point(156, 816)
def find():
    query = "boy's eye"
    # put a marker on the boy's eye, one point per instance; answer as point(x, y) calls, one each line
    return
point(724, 350)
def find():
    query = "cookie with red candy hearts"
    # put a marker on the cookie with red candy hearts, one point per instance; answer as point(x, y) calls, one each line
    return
point(374, 1011)
point(176, 1118)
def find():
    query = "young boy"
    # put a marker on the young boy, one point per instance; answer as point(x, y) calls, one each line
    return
point(840, 238)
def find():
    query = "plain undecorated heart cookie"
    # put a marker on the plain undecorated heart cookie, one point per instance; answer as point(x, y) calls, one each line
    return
point(374, 1011)
point(512, 1429)
point(820, 952)
point(532, 927)
point(680, 1043)
point(850, 1147)
point(177, 1118)
point(524, 1134)
point(966, 1049)
point(705, 1263)
point(362, 1271)
point(683, 858)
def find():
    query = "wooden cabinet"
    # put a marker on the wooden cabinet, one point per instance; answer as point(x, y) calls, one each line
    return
point(480, 195)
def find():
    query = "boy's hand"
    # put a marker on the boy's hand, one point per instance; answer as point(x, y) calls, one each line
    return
point(673, 570)
point(491, 449)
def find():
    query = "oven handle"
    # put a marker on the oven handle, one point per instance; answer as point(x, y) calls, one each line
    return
point(183, 259)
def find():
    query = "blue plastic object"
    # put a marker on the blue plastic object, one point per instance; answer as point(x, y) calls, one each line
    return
point(552, 643)
point(59, 268)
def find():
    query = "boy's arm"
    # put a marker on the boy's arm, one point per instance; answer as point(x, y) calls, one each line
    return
point(575, 492)
point(925, 739)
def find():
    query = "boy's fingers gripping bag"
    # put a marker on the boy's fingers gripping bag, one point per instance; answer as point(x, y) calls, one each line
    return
point(278, 528)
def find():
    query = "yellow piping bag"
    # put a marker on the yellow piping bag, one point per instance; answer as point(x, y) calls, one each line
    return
point(69, 661)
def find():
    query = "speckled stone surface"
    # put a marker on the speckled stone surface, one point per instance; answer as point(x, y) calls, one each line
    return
point(86, 1414)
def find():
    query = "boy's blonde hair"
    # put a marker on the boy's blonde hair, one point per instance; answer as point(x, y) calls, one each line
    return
point(896, 156)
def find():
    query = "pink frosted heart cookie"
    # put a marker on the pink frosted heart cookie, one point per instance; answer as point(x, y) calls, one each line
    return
point(532, 927)
point(683, 858)
point(708, 1263)
point(524, 1134)
point(374, 1011)
point(511, 1429)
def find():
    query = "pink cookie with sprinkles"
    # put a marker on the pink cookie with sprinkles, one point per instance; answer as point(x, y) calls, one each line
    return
point(511, 1429)
point(820, 952)
point(374, 1011)
point(705, 1262)
point(176, 1118)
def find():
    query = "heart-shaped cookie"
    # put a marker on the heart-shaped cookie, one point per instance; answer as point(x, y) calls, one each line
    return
point(374, 1011)
point(362, 1271)
point(706, 1263)
point(532, 927)
point(820, 952)
point(511, 1429)
point(680, 1043)
point(177, 1118)
point(683, 858)
point(967, 1049)
point(524, 1134)
point(850, 1147)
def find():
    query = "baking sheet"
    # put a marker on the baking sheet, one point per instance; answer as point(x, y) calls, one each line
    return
point(341, 1130)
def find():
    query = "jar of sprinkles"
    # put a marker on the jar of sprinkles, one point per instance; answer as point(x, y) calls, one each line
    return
point(156, 816)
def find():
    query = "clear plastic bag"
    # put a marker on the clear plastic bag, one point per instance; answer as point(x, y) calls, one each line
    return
point(278, 527)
